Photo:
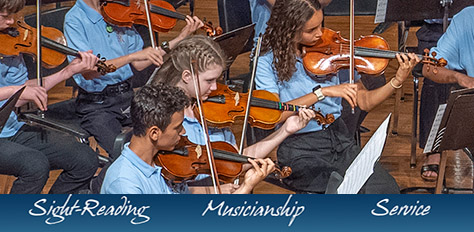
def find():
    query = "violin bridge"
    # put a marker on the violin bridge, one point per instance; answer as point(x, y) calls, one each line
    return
point(198, 151)
point(26, 34)
point(237, 98)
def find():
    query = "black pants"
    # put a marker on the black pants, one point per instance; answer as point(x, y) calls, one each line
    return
point(33, 152)
point(104, 116)
point(314, 156)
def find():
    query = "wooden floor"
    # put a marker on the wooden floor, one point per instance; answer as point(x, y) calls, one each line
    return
point(396, 154)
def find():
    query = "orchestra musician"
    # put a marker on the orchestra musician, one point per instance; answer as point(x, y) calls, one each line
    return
point(103, 102)
point(456, 47)
point(314, 152)
point(30, 152)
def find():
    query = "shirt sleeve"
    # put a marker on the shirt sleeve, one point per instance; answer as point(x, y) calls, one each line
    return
point(121, 186)
point(449, 44)
point(136, 41)
point(265, 77)
point(17, 73)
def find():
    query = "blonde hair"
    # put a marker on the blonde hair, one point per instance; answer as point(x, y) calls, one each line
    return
point(11, 6)
point(200, 48)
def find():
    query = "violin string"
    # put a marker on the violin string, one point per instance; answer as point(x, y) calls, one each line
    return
point(374, 51)
point(273, 104)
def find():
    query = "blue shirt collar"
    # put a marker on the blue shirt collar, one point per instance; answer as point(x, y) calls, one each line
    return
point(93, 15)
point(136, 161)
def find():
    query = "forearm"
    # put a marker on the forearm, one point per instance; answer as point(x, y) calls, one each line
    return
point(201, 190)
point(7, 91)
point(265, 146)
point(442, 75)
point(367, 100)
point(52, 80)
point(243, 189)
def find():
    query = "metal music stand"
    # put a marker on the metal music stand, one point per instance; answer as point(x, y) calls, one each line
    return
point(233, 42)
point(8, 107)
point(455, 131)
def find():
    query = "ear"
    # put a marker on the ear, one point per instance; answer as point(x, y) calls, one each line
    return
point(186, 76)
point(154, 133)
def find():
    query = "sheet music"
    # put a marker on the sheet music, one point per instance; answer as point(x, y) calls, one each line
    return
point(363, 166)
point(434, 129)
point(381, 11)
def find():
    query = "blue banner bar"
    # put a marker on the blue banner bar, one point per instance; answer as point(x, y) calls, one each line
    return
point(235, 212)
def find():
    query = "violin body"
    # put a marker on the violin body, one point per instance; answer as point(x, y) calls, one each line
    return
point(188, 160)
point(21, 38)
point(332, 53)
point(224, 106)
point(125, 13)
point(224, 115)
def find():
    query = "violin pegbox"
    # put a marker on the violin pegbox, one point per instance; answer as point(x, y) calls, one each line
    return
point(431, 60)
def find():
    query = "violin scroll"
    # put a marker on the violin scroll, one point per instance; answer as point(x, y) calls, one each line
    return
point(210, 30)
point(102, 67)
point(431, 60)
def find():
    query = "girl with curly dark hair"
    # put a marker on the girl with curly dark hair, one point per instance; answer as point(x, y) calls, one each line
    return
point(314, 152)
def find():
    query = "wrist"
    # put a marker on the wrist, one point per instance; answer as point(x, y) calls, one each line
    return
point(317, 90)
point(395, 83)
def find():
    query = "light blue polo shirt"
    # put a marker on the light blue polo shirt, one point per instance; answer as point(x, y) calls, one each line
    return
point(129, 174)
point(299, 85)
point(261, 11)
point(85, 29)
point(457, 44)
point(12, 72)
point(194, 133)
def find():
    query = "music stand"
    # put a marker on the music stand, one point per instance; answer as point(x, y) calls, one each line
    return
point(453, 134)
point(413, 10)
point(233, 42)
point(8, 107)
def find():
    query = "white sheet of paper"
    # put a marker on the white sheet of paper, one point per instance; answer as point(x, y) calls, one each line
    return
point(363, 166)
point(381, 11)
point(434, 129)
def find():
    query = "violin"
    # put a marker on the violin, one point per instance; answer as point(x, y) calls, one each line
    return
point(163, 16)
point(188, 160)
point(371, 54)
point(21, 38)
point(223, 106)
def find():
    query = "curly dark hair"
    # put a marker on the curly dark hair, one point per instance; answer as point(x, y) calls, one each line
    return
point(11, 6)
point(198, 47)
point(285, 24)
point(154, 106)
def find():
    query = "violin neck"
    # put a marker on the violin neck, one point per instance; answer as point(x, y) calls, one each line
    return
point(166, 12)
point(378, 53)
point(273, 105)
point(218, 154)
point(230, 156)
point(51, 44)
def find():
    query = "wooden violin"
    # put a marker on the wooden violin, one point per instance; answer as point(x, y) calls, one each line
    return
point(125, 13)
point(224, 106)
point(331, 53)
point(21, 38)
point(188, 160)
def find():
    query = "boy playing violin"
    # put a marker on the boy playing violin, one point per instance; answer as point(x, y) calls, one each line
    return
point(157, 113)
point(103, 101)
point(28, 152)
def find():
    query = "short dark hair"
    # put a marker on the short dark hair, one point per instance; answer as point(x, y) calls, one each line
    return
point(154, 106)
point(11, 6)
